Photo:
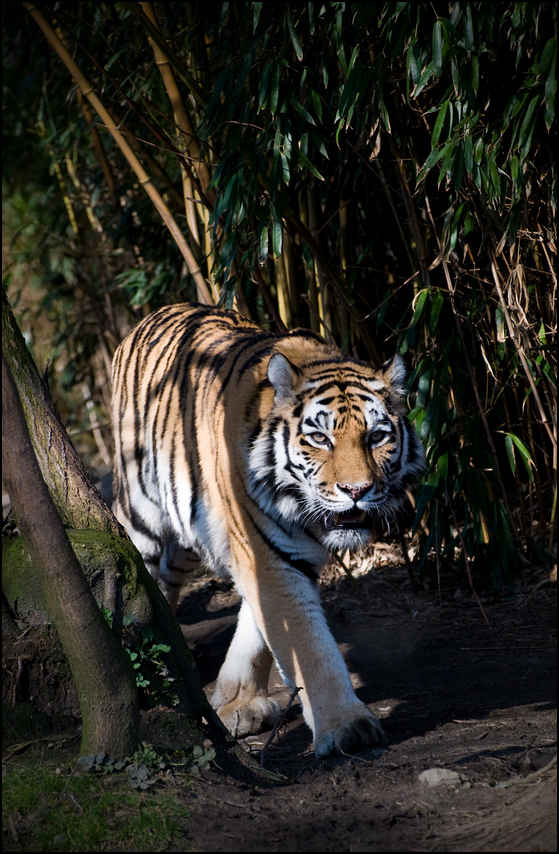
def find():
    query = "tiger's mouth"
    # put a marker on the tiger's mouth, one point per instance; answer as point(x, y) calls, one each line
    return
point(351, 519)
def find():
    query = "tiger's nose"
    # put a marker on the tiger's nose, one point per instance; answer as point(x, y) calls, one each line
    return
point(355, 492)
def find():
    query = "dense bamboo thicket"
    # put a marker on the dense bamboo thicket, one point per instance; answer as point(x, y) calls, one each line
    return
point(382, 173)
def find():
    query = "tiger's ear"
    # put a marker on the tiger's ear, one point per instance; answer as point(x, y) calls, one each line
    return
point(282, 375)
point(394, 373)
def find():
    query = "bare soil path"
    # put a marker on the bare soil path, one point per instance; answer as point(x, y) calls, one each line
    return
point(453, 693)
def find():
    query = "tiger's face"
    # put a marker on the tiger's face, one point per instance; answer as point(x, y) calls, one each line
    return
point(347, 445)
point(339, 447)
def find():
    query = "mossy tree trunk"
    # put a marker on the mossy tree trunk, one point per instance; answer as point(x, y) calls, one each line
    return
point(104, 678)
point(51, 490)
point(77, 502)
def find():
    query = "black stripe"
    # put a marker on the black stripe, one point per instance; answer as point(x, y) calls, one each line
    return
point(302, 566)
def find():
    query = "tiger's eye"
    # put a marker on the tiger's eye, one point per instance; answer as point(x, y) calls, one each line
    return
point(320, 438)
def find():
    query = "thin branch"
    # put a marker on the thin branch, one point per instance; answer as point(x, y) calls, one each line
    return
point(465, 553)
point(279, 721)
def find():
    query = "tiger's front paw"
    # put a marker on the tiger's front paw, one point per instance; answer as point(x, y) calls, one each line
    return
point(254, 717)
point(361, 730)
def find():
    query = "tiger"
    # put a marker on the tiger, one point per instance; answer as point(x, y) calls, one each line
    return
point(259, 454)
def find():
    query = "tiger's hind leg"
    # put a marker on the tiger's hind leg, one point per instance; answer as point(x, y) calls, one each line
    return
point(241, 697)
point(174, 566)
point(166, 561)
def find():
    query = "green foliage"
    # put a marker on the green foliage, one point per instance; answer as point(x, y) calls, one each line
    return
point(201, 759)
point(148, 761)
point(100, 763)
point(147, 655)
point(384, 173)
point(152, 674)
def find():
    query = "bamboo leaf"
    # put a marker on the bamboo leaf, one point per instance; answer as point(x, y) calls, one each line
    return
point(274, 93)
point(524, 454)
point(514, 169)
point(424, 496)
point(439, 123)
point(434, 156)
point(551, 92)
point(442, 467)
point(419, 305)
point(511, 442)
point(525, 135)
point(451, 29)
point(353, 56)
point(468, 153)
point(423, 80)
point(285, 168)
point(301, 110)
point(510, 453)
point(385, 118)
point(548, 53)
point(304, 160)
point(437, 48)
point(475, 72)
point(413, 60)
point(448, 161)
point(277, 236)
point(264, 85)
point(294, 37)
point(436, 308)
point(317, 104)
point(262, 243)
point(469, 28)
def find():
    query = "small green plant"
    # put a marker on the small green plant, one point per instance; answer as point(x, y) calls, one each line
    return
point(202, 756)
point(138, 767)
point(142, 768)
point(100, 763)
point(153, 677)
point(139, 776)
point(152, 674)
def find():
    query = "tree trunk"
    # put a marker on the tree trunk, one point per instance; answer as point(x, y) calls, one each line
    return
point(77, 502)
point(109, 564)
point(104, 679)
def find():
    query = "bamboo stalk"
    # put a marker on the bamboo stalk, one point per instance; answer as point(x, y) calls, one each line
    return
point(93, 221)
point(98, 145)
point(265, 291)
point(312, 295)
point(537, 479)
point(340, 287)
point(184, 125)
point(289, 265)
point(475, 388)
point(342, 309)
point(143, 178)
point(166, 60)
point(520, 500)
point(465, 553)
point(135, 143)
point(405, 190)
point(284, 303)
point(519, 347)
point(322, 289)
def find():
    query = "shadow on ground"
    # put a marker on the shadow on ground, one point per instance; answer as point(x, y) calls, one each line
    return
point(456, 688)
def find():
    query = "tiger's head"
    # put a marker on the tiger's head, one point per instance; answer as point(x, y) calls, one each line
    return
point(336, 449)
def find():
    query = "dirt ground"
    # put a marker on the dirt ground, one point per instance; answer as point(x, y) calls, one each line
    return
point(460, 692)
point(452, 692)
